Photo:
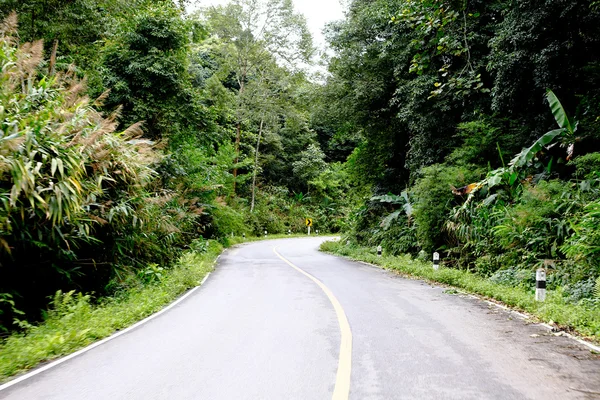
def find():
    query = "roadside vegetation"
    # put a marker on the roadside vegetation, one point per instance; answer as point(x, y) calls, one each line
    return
point(130, 132)
point(584, 319)
point(75, 320)
point(479, 128)
point(134, 132)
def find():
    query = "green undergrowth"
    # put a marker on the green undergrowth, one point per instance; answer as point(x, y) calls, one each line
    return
point(579, 318)
point(75, 320)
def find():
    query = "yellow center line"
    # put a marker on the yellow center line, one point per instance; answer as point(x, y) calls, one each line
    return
point(342, 379)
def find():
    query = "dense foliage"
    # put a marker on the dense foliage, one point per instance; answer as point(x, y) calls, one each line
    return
point(134, 130)
point(479, 126)
point(131, 131)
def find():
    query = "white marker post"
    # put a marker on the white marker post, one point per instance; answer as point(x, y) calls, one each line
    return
point(289, 232)
point(379, 251)
point(317, 232)
point(265, 233)
point(309, 230)
point(540, 285)
point(436, 260)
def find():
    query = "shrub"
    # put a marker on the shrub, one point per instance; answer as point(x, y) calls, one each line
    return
point(75, 204)
point(433, 200)
point(587, 166)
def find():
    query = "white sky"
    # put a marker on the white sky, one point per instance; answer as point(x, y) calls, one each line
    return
point(317, 12)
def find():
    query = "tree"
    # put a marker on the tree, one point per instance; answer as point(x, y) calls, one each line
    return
point(251, 32)
point(310, 165)
point(146, 67)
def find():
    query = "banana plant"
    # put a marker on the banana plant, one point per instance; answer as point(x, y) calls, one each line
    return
point(402, 200)
point(566, 132)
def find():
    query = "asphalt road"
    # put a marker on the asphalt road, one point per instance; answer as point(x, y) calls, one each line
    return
point(301, 328)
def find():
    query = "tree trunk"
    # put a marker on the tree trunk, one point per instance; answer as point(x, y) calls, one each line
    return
point(238, 136)
point(262, 120)
point(237, 154)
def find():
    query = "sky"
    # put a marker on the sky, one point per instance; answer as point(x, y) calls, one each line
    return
point(317, 13)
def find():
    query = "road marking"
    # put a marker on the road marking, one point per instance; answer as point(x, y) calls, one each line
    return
point(101, 342)
point(342, 380)
point(205, 278)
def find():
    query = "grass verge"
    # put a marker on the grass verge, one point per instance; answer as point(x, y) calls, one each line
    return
point(583, 320)
point(73, 322)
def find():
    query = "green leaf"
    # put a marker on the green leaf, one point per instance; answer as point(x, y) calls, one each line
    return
point(560, 115)
point(387, 221)
point(53, 166)
point(528, 154)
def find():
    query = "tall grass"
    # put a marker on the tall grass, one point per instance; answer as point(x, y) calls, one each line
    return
point(73, 322)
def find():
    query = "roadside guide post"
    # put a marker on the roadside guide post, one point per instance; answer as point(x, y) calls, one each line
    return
point(265, 233)
point(436, 260)
point(289, 232)
point(540, 285)
point(317, 232)
point(379, 251)
point(309, 223)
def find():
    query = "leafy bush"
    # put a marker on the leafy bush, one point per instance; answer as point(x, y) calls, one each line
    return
point(583, 246)
point(580, 290)
point(587, 166)
point(536, 227)
point(514, 277)
point(77, 207)
point(433, 200)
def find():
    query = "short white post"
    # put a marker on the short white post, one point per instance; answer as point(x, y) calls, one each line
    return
point(317, 232)
point(265, 233)
point(309, 231)
point(436, 260)
point(540, 285)
point(379, 251)
point(289, 232)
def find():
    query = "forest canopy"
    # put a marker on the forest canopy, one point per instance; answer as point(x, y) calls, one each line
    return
point(133, 131)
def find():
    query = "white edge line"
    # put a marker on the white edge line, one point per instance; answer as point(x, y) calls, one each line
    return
point(101, 342)
point(205, 278)
point(520, 314)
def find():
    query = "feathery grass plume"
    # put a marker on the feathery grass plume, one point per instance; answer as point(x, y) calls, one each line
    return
point(133, 131)
point(99, 102)
point(105, 127)
point(74, 94)
point(115, 114)
point(30, 56)
point(8, 27)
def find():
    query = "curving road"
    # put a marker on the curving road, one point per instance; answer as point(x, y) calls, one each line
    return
point(298, 324)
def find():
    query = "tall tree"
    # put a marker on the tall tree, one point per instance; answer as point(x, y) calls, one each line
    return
point(252, 31)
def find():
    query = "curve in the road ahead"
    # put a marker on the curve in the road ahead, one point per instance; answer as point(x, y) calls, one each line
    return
point(341, 390)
